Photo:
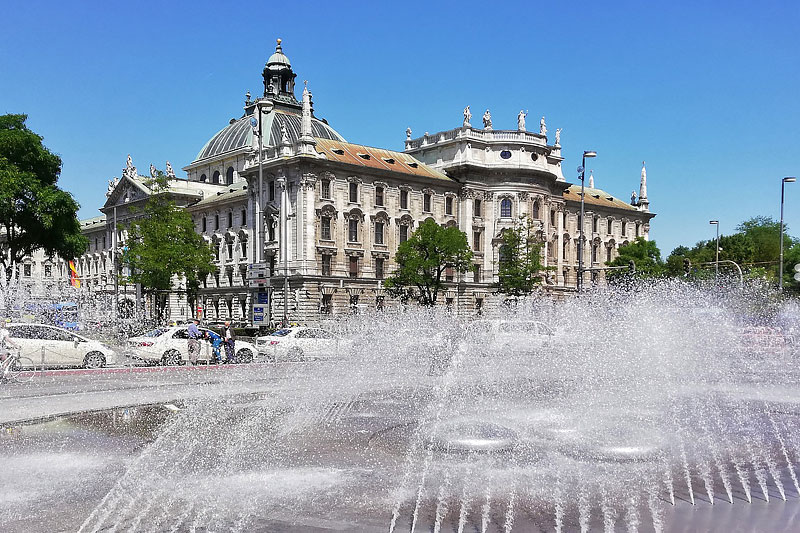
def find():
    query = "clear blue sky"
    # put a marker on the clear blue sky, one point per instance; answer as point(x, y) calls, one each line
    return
point(705, 92)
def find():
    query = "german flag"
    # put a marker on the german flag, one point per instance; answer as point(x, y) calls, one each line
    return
point(73, 275)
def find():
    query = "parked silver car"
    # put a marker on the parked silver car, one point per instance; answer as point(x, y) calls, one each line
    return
point(51, 346)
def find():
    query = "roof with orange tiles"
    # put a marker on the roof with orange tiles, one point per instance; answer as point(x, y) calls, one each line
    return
point(377, 158)
point(597, 197)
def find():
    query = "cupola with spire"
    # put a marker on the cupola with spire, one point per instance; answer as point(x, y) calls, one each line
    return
point(279, 77)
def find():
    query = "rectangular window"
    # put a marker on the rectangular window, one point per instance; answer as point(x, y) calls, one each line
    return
point(624, 228)
point(353, 267)
point(608, 254)
point(216, 221)
point(426, 203)
point(595, 224)
point(244, 250)
point(403, 199)
point(638, 229)
point(403, 233)
point(326, 265)
point(230, 251)
point(378, 195)
point(564, 252)
point(594, 254)
point(379, 268)
point(476, 208)
point(476, 273)
point(205, 227)
point(448, 205)
point(244, 218)
point(448, 274)
point(476, 241)
point(48, 271)
point(230, 219)
point(216, 252)
point(216, 278)
point(352, 234)
point(379, 233)
point(325, 229)
point(104, 242)
point(271, 189)
point(325, 191)
point(610, 225)
point(354, 192)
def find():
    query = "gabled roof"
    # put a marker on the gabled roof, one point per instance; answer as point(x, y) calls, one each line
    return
point(231, 192)
point(597, 197)
point(378, 158)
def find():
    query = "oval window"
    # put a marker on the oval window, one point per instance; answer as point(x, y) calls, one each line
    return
point(534, 156)
point(505, 154)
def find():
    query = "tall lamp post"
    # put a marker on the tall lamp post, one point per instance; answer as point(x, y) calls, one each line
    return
point(582, 170)
point(784, 181)
point(716, 259)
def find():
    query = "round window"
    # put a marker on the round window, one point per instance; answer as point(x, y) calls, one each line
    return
point(534, 156)
point(505, 154)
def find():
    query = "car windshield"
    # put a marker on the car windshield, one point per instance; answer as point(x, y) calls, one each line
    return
point(154, 333)
point(281, 333)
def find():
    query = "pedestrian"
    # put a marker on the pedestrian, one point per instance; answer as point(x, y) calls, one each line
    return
point(216, 345)
point(230, 341)
point(194, 341)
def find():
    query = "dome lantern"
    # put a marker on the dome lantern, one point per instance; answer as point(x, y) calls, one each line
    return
point(279, 77)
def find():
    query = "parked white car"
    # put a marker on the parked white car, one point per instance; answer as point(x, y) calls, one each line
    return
point(300, 343)
point(499, 337)
point(170, 346)
point(51, 346)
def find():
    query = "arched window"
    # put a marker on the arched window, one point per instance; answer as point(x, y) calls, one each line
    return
point(203, 177)
point(505, 208)
point(536, 210)
point(229, 176)
point(215, 177)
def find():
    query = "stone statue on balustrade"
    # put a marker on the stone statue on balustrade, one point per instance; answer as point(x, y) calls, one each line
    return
point(408, 134)
point(558, 137)
point(467, 117)
point(542, 127)
point(153, 171)
point(487, 120)
point(521, 120)
point(170, 172)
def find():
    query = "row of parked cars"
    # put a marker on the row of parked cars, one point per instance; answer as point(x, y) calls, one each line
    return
point(51, 346)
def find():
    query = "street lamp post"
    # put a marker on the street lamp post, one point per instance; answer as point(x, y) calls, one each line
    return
point(784, 181)
point(716, 257)
point(582, 170)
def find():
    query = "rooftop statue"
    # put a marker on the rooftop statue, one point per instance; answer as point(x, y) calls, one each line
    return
point(408, 134)
point(542, 127)
point(112, 184)
point(170, 172)
point(558, 136)
point(467, 117)
point(130, 170)
point(521, 120)
point(153, 171)
point(633, 197)
point(487, 120)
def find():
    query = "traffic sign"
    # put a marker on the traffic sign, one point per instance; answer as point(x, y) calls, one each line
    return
point(797, 276)
point(258, 318)
point(258, 310)
point(258, 282)
point(263, 298)
point(797, 267)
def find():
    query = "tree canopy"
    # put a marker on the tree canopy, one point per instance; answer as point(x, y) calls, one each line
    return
point(423, 259)
point(34, 212)
point(520, 269)
point(162, 243)
point(644, 254)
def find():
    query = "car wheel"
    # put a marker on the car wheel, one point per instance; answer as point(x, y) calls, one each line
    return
point(244, 356)
point(296, 354)
point(171, 358)
point(94, 360)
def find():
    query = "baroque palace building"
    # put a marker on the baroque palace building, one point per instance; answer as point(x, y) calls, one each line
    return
point(280, 187)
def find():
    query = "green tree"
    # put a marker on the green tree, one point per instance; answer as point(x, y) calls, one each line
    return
point(520, 269)
point(424, 257)
point(645, 255)
point(34, 212)
point(162, 244)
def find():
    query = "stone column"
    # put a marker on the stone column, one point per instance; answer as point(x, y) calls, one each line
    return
point(560, 279)
point(308, 184)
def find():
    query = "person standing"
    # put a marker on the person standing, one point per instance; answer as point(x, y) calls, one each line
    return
point(194, 341)
point(230, 342)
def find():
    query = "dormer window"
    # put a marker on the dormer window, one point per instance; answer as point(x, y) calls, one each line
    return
point(338, 151)
point(413, 164)
point(364, 156)
point(389, 160)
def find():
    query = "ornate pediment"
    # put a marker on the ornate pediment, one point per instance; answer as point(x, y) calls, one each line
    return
point(124, 191)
